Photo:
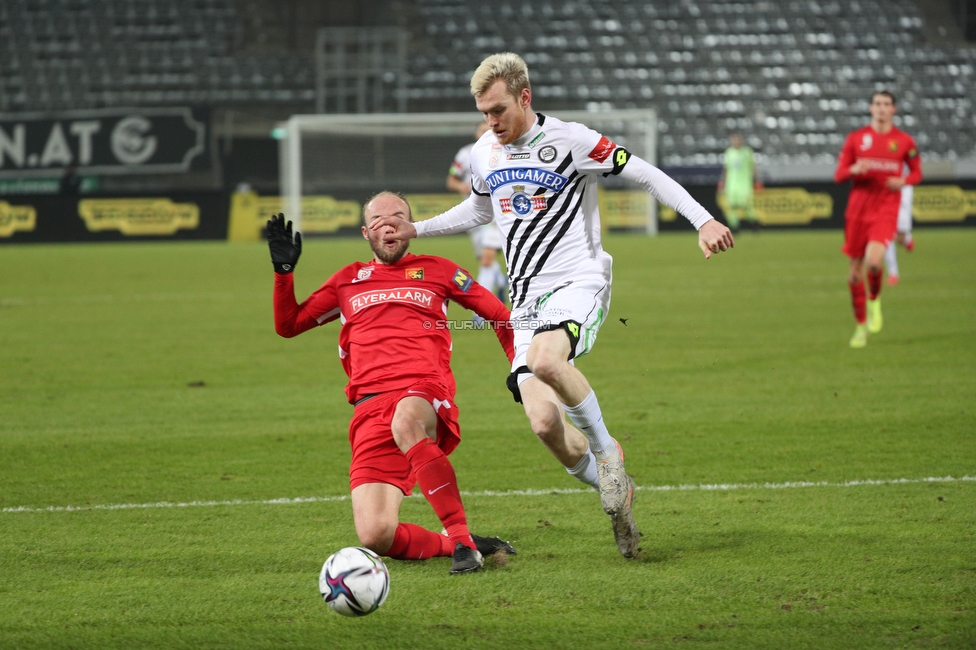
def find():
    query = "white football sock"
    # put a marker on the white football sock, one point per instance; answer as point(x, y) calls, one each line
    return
point(585, 470)
point(891, 259)
point(908, 238)
point(589, 419)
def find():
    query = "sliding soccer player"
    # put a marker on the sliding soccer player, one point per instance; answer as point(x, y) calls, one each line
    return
point(395, 347)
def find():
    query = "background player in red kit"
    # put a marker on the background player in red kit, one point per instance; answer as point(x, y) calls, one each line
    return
point(873, 158)
point(396, 349)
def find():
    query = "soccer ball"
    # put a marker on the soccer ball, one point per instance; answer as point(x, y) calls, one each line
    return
point(354, 581)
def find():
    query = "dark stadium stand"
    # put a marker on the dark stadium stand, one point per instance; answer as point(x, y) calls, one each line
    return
point(793, 75)
point(68, 54)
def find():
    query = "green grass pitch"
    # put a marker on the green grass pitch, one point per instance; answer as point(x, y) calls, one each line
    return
point(150, 376)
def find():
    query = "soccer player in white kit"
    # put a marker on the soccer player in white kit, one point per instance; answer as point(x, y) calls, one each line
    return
point(537, 177)
point(486, 239)
point(904, 236)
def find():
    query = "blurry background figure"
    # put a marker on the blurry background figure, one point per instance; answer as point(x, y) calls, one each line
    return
point(874, 159)
point(70, 182)
point(904, 236)
point(486, 239)
point(737, 182)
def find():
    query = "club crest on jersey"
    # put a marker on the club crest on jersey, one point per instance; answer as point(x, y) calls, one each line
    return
point(414, 274)
point(463, 280)
point(548, 153)
point(521, 203)
point(866, 142)
point(541, 177)
point(364, 274)
point(419, 297)
point(892, 146)
point(495, 156)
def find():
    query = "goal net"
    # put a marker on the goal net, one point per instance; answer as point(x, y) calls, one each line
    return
point(329, 164)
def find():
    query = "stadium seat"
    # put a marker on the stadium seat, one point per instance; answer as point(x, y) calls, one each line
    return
point(781, 72)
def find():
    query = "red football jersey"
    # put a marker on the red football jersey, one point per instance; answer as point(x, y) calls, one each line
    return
point(394, 328)
point(886, 155)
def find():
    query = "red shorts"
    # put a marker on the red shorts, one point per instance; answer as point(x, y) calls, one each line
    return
point(873, 217)
point(375, 455)
point(858, 232)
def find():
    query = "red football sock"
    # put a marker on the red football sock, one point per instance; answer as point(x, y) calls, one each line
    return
point(436, 478)
point(411, 542)
point(857, 299)
point(874, 282)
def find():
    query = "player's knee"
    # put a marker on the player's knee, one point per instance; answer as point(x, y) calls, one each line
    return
point(376, 535)
point(407, 430)
point(547, 365)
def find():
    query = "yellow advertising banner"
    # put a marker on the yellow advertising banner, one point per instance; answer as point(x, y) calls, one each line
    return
point(787, 206)
point(153, 216)
point(16, 218)
point(249, 213)
point(324, 214)
point(425, 206)
point(625, 209)
point(943, 203)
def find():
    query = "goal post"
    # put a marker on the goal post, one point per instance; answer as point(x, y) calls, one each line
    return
point(330, 163)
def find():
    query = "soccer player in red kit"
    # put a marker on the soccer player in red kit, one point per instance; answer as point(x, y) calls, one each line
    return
point(873, 158)
point(396, 349)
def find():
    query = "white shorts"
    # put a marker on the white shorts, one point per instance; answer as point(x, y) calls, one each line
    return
point(583, 304)
point(905, 209)
point(486, 236)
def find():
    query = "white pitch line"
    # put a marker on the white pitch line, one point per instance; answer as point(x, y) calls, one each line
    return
point(717, 487)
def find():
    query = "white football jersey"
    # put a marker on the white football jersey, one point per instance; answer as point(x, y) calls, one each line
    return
point(543, 191)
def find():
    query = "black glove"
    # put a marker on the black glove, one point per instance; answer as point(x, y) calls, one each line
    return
point(285, 249)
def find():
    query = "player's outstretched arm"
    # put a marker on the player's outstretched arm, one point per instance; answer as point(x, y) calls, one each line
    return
point(473, 211)
point(714, 237)
point(393, 228)
point(285, 246)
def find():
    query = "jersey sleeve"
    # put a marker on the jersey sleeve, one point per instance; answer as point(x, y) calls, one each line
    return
point(914, 162)
point(665, 189)
point(473, 211)
point(593, 152)
point(462, 289)
point(846, 158)
point(291, 319)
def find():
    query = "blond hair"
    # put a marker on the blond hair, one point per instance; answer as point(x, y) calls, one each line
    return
point(507, 66)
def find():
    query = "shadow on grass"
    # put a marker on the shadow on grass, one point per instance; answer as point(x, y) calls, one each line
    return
point(676, 548)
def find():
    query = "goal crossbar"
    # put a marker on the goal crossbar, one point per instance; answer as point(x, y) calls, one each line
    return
point(635, 128)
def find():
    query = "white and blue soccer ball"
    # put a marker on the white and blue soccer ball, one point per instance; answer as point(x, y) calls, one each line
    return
point(354, 581)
